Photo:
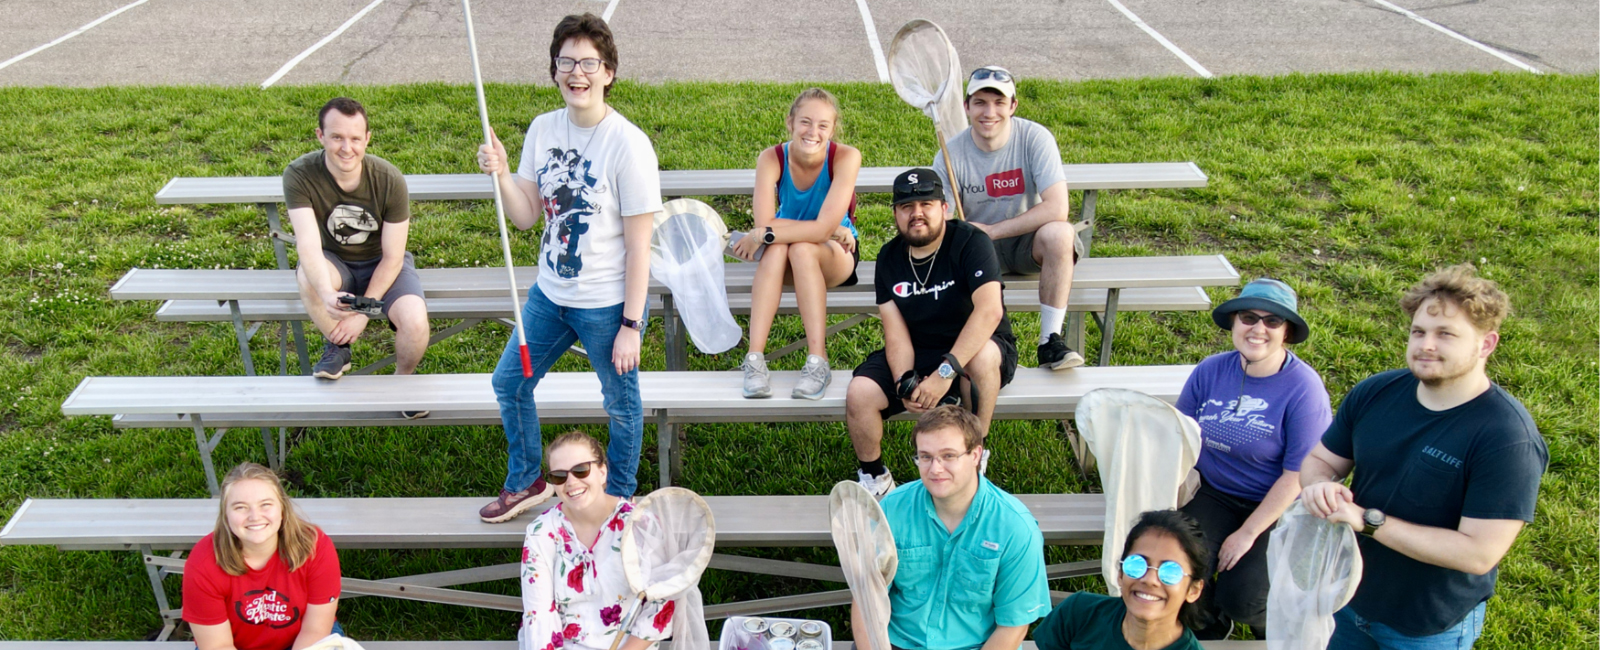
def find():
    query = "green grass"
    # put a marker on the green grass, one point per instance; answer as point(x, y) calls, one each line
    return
point(1350, 187)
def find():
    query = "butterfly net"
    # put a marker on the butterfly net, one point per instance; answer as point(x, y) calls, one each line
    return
point(335, 642)
point(866, 553)
point(926, 73)
point(666, 545)
point(1313, 567)
point(686, 255)
point(1144, 449)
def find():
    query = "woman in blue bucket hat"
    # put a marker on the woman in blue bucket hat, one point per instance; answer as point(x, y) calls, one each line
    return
point(1261, 409)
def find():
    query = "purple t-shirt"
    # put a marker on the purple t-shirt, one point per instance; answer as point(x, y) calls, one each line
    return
point(1253, 429)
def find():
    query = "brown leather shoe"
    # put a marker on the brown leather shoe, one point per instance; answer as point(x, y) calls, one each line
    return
point(510, 504)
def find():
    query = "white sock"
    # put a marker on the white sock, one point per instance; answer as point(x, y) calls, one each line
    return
point(1050, 321)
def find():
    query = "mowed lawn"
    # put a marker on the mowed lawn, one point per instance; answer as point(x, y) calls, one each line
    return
point(1349, 187)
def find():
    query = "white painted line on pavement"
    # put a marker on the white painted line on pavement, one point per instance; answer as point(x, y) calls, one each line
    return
point(1195, 65)
point(71, 34)
point(325, 40)
point(872, 39)
point(1455, 35)
point(611, 8)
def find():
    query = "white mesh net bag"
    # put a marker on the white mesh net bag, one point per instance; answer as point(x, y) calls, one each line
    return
point(1313, 567)
point(1144, 449)
point(867, 555)
point(666, 545)
point(686, 255)
point(926, 73)
point(335, 642)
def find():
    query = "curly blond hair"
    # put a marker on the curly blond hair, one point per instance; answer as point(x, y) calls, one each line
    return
point(1485, 305)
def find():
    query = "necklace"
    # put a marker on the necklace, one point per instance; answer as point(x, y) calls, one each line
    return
point(922, 282)
point(596, 127)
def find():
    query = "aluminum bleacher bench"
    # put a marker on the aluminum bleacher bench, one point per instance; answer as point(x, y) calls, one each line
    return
point(149, 526)
point(838, 644)
point(668, 398)
point(1100, 284)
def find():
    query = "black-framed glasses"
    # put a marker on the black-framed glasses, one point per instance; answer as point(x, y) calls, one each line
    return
point(579, 471)
point(991, 73)
point(1250, 318)
point(589, 65)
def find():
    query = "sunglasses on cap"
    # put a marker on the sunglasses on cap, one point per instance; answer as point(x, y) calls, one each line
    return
point(559, 476)
point(990, 73)
point(1250, 318)
point(1169, 573)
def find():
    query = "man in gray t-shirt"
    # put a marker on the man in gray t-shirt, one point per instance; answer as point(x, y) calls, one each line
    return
point(1012, 187)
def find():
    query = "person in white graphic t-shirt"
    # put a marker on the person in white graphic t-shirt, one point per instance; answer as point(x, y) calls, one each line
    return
point(1012, 188)
point(591, 175)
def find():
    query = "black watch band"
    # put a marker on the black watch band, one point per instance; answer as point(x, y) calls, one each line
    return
point(636, 325)
point(950, 358)
point(769, 237)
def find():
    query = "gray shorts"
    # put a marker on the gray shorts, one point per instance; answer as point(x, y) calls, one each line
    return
point(354, 276)
point(1016, 253)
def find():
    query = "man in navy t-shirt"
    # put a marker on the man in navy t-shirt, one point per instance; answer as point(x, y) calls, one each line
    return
point(1447, 473)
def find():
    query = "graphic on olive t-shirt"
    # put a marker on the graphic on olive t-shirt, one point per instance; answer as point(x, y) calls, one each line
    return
point(1240, 422)
point(351, 225)
point(266, 607)
point(565, 178)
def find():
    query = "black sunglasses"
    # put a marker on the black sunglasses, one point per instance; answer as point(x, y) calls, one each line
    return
point(559, 476)
point(1250, 318)
point(990, 73)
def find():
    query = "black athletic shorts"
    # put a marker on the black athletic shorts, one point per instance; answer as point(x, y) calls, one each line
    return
point(926, 363)
point(354, 277)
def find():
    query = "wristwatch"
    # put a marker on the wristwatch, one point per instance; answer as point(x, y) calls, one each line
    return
point(769, 237)
point(955, 364)
point(945, 371)
point(1373, 518)
point(636, 325)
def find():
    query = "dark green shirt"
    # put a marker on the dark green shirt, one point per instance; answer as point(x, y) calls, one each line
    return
point(351, 222)
point(1086, 621)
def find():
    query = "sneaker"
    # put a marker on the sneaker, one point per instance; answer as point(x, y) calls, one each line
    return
point(1055, 355)
point(414, 415)
point(983, 462)
point(510, 504)
point(757, 380)
point(1219, 628)
point(334, 363)
point(878, 486)
point(814, 378)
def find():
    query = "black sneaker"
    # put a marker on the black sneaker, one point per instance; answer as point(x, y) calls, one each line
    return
point(1219, 628)
point(1055, 355)
point(334, 363)
point(414, 415)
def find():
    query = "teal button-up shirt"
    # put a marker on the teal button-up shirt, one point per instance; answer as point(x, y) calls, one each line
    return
point(953, 589)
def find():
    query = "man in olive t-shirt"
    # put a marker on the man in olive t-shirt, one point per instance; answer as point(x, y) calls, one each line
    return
point(358, 207)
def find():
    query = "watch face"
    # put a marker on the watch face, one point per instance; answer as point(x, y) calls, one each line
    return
point(945, 371)
point(1373, 517)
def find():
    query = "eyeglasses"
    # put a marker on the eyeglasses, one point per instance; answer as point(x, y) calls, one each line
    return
point(1169, 573)
point(990, 73)
point(559, 476)
point(946, 459)
point(1250, 318)
point(590, 66)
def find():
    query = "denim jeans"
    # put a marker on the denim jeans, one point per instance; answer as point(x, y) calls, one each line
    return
point(551, 330)
point(1352, 632)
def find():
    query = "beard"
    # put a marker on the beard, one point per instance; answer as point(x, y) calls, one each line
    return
point(1441, 372)
point(935, 231)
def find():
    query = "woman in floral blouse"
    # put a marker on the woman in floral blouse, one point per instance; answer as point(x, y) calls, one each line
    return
point(574, 594)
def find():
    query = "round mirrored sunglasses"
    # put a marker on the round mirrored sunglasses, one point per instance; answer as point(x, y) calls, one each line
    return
point(1169, 573)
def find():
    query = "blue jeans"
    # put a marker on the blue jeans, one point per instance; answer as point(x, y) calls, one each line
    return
point(1352, 632)
point(551, 330)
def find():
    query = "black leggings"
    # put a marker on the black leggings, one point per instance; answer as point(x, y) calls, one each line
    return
point(1240, 592)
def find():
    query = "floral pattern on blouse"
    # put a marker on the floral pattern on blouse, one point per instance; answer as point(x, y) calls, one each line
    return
point(576, 595)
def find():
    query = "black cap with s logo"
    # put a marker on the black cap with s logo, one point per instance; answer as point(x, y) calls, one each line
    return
point(918, 184)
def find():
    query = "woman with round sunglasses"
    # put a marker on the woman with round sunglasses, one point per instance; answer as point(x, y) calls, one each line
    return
point(806, 238)
point(1160, 583)
point(574, 593)
point(1261, 409)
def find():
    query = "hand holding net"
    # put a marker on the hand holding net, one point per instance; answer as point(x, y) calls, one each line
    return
point(666, 546)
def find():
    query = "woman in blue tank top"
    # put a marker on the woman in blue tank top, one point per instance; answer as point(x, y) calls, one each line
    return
point(806, 238)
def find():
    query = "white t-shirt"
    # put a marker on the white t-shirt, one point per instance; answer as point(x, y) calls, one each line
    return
point(589, 179)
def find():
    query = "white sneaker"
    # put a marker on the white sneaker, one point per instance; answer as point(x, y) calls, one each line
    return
point(879, 486)
point(814, 379)
point(983, 462)
point(757, 381)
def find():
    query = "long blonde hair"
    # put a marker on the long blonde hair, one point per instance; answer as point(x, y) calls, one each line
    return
point(297, 538)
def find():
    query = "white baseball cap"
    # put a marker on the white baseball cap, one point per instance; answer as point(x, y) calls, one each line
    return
point(992, 77)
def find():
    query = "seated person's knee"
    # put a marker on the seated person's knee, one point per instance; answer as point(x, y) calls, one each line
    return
point(864, 394)
point(802, 252)
point(986, 361)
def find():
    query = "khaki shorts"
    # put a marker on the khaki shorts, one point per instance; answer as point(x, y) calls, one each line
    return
point(1016, 253)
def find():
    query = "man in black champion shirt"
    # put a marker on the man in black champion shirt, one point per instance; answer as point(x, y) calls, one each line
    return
point(945, 330)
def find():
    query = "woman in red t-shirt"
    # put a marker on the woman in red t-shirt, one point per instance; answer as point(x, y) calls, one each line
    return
point(265, 579)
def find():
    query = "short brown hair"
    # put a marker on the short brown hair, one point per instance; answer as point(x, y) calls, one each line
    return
point(297, 538)
point(576, 437)
point(947, 417)
point(1483, 301)
point(345, 105)
point(591, 28)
